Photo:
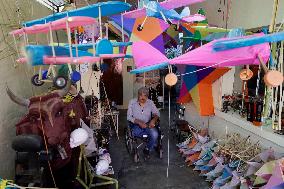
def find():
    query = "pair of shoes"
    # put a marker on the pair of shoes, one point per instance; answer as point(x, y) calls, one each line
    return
point(146, 152)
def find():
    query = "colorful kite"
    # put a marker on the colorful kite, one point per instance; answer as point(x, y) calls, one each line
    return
point(152, 33)
point(198, 87)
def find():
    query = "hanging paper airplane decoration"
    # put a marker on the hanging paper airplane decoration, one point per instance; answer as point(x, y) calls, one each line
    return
point(165, 11)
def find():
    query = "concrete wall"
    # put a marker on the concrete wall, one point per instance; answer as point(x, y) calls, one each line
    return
point(18, 78)
point(90, 82)
point(223, 86)
point(128, 83)
point(244, 13)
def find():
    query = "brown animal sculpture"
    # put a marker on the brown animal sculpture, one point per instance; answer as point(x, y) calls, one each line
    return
point(53, 119)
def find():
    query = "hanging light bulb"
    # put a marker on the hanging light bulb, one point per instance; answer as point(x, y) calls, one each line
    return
point(69, 19)
point(272, 78)
point(246, 74)
point(171, 78)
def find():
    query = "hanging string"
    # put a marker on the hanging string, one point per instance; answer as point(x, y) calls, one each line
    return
point(20, 16)
point(122, 28)
point(109, 107)
point(277, 125)
point(89, 82)
point(32, 9)
point(45, 142)
point(70, 42)
point(220, 95)
point(229, 7)
point(100, 22)
point(274, 104)
point(201, 69)
point(280, 105)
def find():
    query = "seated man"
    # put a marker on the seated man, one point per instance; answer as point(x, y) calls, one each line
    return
point(139, 114)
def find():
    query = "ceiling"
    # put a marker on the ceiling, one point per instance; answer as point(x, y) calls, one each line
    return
point(57, 5)
point(53, 4)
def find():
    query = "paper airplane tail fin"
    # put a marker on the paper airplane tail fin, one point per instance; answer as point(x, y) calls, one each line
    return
point(194, 18)
point(147, 58)
point(185, 12)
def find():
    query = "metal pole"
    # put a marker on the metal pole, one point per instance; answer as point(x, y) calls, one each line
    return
point(168, 132)
point(258, 81)
point(144, 82)
point(69, 41)
point(106, 25)
point(163, 79)
point(51, 41)
point(268, 90)
point(93, 40)
point(122, 28)
point(100, 22)
point(53, 50)
point(243, 95)
point(281, 89)
point(76, 43)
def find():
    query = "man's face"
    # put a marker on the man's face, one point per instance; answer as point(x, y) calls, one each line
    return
point(142, 98)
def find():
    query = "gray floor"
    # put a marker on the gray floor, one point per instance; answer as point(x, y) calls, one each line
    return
point(152, 174)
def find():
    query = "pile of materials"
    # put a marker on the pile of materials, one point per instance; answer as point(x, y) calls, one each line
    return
point(232, 162)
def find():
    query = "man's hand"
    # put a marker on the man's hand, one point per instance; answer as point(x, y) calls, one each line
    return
point(140, 123)
point(152, 123)
point(143, 125)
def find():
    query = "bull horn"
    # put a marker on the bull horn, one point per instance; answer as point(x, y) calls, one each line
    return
point(65, 90)
point(19, 100)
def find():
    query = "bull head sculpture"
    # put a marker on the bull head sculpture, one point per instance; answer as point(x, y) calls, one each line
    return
point(49, 117)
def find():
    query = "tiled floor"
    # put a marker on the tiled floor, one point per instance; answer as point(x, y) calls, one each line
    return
point(152, 174)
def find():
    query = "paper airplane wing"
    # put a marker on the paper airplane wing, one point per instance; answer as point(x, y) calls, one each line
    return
point(135, 13)
point(107, 9)
point(172, 4)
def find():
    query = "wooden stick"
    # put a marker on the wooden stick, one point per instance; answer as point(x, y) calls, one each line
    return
point(269, 89)
point(280, 66)
point(274, 14)
point(231, 152)
point(264, 67)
